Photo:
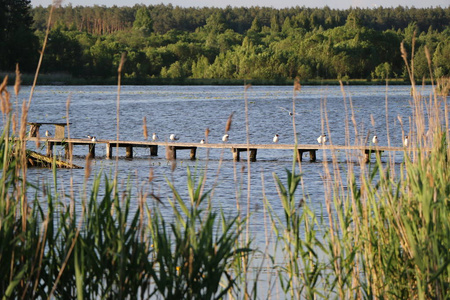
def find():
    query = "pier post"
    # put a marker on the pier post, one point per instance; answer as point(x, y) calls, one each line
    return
point(193, 151)
point(153, 150)
point(253, 154)
point(108, 151)
point(91, 150)
point(300, 154)
point(34, 130)
point(171, 152)
point(312, 155)
point(68, 150)
point(367, 156)
point(129, 151)
point(49, 148)
point(235, 154)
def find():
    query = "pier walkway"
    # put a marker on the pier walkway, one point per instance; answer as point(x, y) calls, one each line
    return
point(172, 147)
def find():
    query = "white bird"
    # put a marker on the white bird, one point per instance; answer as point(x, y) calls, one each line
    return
point(173, 137)
point(290, 113)
point(322, 139)
point(154, 137)
point(406, 141)
point(47, 133)
point(89, 137)
point(202, 141)
point(225, 137)
point(94, 139)
point(275, 138)
point(375, 139)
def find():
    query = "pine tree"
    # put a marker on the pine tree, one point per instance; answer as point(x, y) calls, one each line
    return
point(18, 44)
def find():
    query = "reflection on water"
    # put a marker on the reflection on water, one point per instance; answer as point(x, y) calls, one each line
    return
point(188, 110)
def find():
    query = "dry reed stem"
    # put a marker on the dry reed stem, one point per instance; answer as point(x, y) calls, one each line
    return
point(144, 127)
point(18, 81)
point(229, 121)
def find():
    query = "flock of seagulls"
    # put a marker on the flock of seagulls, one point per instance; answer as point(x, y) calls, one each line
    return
point(322, 139)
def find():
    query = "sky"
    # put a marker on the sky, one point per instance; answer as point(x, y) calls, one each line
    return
point(341, 4)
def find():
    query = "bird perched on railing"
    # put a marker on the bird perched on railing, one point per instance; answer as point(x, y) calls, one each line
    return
point(225, 137)
point(94, 139)
point(154, 137)
point(173, 137)
point(322, 139)
point(375, 139)
point(406, 141)
point(47, 133)
point(275, 138)
point(202, 141)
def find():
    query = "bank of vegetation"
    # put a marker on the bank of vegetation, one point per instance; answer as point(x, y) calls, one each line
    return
point(166, 44)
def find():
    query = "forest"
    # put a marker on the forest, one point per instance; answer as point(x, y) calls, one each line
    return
point(232, 43)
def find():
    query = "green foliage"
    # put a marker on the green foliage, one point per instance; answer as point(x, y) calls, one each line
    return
point(260, 44)
point(193, 256)
point(143, 21)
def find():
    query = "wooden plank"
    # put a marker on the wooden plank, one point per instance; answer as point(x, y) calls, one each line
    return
point(60, 131)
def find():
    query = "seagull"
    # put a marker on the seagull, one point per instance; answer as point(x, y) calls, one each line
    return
point(290, 113)
point(173, 137)
point(94, 139)
point(47, 133)
point(375, 139)
point(225, 137)
point(406, 141)
point(275, 138)
point(154, 137)
point(322, 139)
point(202, 141)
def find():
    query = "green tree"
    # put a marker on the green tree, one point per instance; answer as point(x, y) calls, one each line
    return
point(18, 44)
point(143, 22)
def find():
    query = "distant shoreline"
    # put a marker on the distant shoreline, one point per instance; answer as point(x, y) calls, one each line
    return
point(64, 79)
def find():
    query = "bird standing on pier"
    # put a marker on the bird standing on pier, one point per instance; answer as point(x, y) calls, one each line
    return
point(94, 139)
point(202, 141)
point(375, 140)
point(173, 137)
point(275, 138)
point(406, 141)
point(47, 133)
point(154, 137)
point(225, 137)
point(322, 139)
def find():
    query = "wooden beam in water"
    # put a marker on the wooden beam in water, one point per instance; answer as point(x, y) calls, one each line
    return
point(68, 150)
point(312, 155)
point(129, 151)
point(49, 148)
point(193, 151)
point(91, 150)
point(236, 153)
point(153, 150)
point(367, 153)
point(108, 151)
point(171, 153)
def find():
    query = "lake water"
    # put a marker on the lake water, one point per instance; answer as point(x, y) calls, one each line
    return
point(188, 110)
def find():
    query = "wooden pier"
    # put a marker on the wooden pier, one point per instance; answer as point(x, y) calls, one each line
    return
point(173, 147)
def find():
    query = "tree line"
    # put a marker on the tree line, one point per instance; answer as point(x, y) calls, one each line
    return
point(162, 41)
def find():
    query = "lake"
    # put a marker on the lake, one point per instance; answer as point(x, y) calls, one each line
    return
point(188, 110)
